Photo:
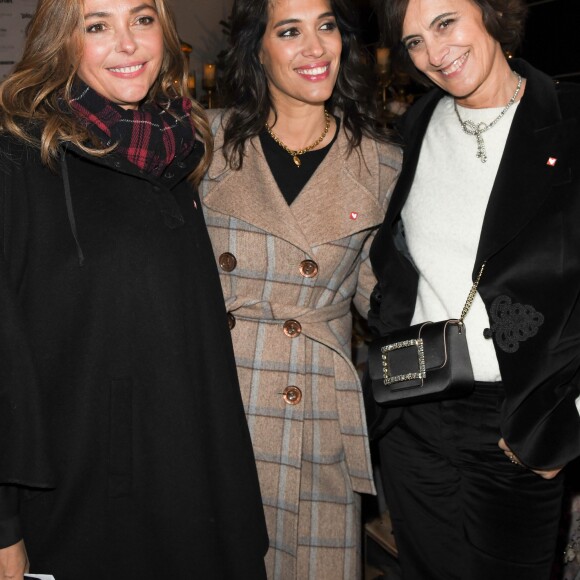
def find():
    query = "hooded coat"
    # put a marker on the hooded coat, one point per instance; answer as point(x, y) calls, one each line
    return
point(116, 362)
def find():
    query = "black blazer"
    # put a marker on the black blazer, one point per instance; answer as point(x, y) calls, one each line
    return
point(530, 242)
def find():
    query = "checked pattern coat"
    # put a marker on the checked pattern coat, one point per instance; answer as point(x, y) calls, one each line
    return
point(289, 276)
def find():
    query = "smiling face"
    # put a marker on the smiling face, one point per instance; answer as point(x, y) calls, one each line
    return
point(448, 42)
point(122, 49)
point(300, 51)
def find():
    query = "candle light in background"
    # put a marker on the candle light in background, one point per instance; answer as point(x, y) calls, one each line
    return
point(383, 54)
point(209, 70)
point(186, 49)
point(209, 84)
point(383, 74)
point(191, 83)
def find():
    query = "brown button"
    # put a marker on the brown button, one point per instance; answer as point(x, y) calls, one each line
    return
point(292, 395)
point(231, 320)
point(308, 268)
point(292, 328)
point(227, 262)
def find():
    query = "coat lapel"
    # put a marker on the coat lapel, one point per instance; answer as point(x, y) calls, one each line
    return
point(525, 177)
point(252, 195)
point(340, 199)
point(413, 133)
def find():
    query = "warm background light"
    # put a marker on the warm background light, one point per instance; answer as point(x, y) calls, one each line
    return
point(209, 70)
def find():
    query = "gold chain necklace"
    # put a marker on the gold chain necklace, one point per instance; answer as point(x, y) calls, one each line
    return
point(295, 153)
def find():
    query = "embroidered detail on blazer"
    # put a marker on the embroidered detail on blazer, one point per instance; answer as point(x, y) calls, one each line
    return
point(513, 323)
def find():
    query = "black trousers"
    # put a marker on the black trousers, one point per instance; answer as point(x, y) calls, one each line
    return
point(460, 509)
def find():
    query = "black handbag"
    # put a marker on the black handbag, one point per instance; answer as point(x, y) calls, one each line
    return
point(425, 362)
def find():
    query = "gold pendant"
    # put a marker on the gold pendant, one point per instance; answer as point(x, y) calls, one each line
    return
point(296, 160)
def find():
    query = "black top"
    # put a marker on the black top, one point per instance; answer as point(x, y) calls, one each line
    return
point(292, 179)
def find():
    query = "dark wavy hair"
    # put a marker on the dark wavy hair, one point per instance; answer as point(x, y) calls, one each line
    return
point(503, 19)
point(245, 86)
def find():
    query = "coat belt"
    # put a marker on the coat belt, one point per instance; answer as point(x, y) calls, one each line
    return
point(267, 311)
point(314, 326)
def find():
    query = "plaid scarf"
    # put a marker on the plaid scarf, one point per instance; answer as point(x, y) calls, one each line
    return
point(149, 137)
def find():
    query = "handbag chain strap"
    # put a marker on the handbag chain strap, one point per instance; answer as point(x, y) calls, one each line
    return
point(471, 296)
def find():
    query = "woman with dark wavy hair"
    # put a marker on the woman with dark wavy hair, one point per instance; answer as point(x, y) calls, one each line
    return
point(301, 177)
point(124, 448)
point(490, 179)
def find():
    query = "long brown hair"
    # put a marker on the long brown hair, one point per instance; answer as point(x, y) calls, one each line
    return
point(31, 98)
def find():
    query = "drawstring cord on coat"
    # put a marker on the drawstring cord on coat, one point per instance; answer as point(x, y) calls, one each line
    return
point(69, 207)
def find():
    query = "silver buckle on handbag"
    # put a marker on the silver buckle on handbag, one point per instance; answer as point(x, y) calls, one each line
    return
point(389, 379)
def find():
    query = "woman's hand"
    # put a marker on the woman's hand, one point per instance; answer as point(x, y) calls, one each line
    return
point(13, 562)
point(546, 474)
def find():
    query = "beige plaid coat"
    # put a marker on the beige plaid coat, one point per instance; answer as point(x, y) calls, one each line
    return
point(289, 276)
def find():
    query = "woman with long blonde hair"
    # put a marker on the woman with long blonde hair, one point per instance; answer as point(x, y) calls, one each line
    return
point(124, 449)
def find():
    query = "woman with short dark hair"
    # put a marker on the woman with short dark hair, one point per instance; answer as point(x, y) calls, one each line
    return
point(491, 179)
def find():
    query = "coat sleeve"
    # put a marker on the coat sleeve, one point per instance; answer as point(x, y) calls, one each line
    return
point(379, 419)
point(9, 521)
point(366, 279)
point(389, 169)
point(23, 458)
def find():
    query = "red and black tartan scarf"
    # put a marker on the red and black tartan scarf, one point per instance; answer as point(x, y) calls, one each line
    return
point(150, 137)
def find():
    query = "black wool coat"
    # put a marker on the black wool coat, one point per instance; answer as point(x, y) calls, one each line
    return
point(530, 241)
point(116, 363)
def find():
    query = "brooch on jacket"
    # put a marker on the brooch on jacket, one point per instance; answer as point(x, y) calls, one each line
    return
point(513, 323)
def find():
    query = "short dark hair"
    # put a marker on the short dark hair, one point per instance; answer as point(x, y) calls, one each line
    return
point(503, 19)
point(245, 86)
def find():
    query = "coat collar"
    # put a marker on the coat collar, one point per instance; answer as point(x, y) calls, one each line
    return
point(416, 122)
point(174, 174)
point(340, 199)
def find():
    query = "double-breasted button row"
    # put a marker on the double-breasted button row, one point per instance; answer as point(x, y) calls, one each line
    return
point(292, 395)
point(292, 328)
point(227, 262)
point(308, 268)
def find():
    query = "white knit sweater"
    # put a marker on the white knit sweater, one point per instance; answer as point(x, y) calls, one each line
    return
point(443, 217)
